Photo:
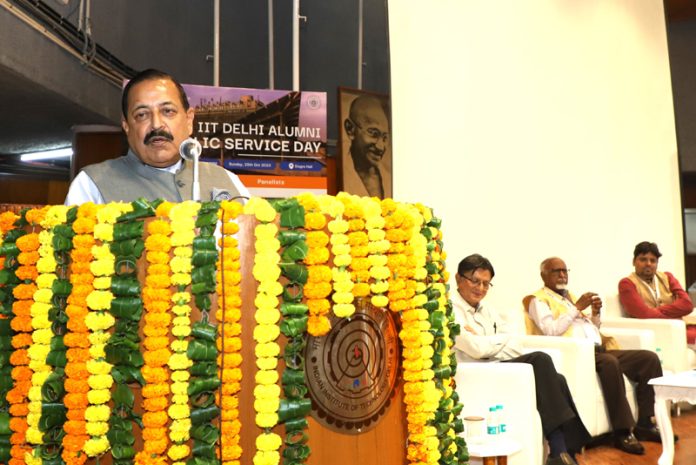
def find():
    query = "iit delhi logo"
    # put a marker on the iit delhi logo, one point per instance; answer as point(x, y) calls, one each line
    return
point(351, 372)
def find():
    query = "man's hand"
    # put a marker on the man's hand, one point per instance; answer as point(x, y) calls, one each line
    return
point(596, 305)
point(587, 299)
point(469, 329)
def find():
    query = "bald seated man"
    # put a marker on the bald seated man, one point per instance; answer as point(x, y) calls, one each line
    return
point(554, 311)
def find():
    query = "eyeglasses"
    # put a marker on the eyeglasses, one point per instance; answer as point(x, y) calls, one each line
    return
point(374, 133)
point(477, 282)
point(560, 270)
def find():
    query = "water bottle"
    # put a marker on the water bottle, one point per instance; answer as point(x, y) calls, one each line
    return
point(502, 426)
point(492, 420)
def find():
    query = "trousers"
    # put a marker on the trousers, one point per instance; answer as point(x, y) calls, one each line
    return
point(554, 401)
point(639, 366)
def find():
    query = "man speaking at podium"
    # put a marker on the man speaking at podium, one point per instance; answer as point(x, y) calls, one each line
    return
point(156, 119)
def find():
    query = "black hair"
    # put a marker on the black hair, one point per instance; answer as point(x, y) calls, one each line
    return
point(149, 75)
point(646, 247)
point(474, 262)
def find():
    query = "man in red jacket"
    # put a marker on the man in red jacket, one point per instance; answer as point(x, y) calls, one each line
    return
point(648, 293)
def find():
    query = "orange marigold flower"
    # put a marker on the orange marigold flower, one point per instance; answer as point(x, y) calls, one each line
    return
point(155, 419)
point(155, 404)
point(27, 273)
point(19, 410)
point(21, 340)
point(76, 370)
point(76, 340)
point(76, 385)
point(154, 343)
point(19, 357)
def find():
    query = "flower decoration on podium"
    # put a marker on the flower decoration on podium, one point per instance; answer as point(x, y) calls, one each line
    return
point(122, 327)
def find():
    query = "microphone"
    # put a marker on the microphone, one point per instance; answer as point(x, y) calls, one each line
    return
point(190, 149)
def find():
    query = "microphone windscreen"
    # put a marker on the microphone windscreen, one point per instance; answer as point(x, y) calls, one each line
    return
point(190, 149)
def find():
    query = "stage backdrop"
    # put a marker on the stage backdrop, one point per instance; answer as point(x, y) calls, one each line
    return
point(539, 128)
point(275, 140)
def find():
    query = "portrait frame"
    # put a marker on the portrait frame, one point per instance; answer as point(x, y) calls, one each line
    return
point(347, 178)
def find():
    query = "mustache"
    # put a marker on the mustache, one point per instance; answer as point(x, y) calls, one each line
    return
point(158, 133)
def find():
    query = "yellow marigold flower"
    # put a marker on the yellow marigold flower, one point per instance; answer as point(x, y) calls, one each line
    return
point(379, 301)
point(42, 336)
point(178, 451)
point(102, 282)
point(179, 436)
point(100, 381)
point(98, 396)
point(267, 315)
point(98, 321)
point(183, 252)
point(266, 333)
point(180, 375)
point(267, 363)
point(179, 388)
point(266, 420)
point(267, 391)
point(98, 413)
point(268, 349)
point(268, 441)
point(264, 301)
point(45, 281)
point(344, 310)
point(177, 412)
point(33, 436)
point(179, 346)
point(266, 377)
point(179, 362)
point(97, 428)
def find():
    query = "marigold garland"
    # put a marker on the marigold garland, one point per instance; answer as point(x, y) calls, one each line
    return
point(228, 315)
point(387, 251)
point(26, 357)
point(318, 286)
point(157, 304)
point(77, 337)
point(451, 446)
point(421, 395)
point(267, 272)
point(8, 264)
point(182, 217)
point(41, 336)
point(377, 247)
point(342, 295)
point(357, 240)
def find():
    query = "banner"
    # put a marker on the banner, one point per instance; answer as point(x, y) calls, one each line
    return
point(275, 140)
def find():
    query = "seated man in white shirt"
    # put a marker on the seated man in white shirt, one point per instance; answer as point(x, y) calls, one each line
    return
point(554, 311)
point(484, 337)
point(156, 118)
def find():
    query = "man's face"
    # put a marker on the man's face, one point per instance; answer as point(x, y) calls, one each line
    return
point(369, 133)
point(473, 287)
point(555, 275)
point(645, 265)
point(156, 122)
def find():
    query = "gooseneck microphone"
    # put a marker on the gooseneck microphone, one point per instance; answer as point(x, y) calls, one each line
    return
point(190, 149)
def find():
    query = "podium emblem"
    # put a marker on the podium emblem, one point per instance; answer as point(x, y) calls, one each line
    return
point(351, 372)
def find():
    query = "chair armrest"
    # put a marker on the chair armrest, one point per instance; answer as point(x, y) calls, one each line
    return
point(630, 338)
point(577, 364)
point(481, 385)
point(670, 337)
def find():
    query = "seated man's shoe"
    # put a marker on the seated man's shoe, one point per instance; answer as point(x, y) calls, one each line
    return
point(652, 433)
point(563, 459)
point(629, 443)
